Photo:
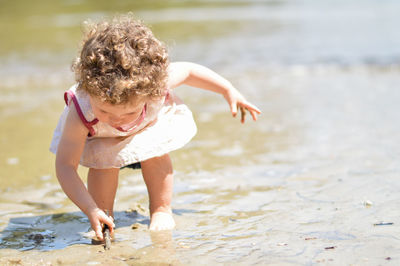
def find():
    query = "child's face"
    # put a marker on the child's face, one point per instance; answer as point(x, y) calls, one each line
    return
point(116, 115)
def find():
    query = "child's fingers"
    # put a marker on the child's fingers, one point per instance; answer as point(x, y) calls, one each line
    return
point(99, 232)
point(251, 107)
point(110, 222)
point(243, 116)
point(233, 109)
point(244, 106)
point(253, 114)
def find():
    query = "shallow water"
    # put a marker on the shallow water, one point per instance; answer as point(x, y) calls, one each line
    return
point(308, 183)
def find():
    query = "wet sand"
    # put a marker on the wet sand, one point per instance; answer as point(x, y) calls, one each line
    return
point(307, 214)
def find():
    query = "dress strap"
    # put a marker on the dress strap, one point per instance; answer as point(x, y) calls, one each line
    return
point(136, 123)
point(166, 96)
point(88, 124)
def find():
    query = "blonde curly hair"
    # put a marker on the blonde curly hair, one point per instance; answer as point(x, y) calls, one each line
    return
point(121, 59)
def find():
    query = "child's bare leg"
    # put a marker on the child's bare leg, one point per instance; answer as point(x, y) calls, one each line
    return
point(102, 186)
point(158, 176)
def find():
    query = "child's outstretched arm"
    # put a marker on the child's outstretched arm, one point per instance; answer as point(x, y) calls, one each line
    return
point(67, 159)
point(199, 76)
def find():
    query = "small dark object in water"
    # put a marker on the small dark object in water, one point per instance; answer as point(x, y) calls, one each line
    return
point(388, 258)
point(310, 238)
point(135, 226)
point(38, 238)
point(383, 223)
point(333, 247)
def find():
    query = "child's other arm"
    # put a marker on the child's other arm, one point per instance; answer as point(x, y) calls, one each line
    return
point(202, 77)
point(68, 156)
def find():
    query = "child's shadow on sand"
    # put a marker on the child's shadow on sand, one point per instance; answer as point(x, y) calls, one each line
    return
point(57, 231)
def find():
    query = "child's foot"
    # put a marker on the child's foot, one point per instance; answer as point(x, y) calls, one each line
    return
point(161, 221)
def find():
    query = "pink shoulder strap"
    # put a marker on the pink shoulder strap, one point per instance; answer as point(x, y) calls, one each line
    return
point(166, 96)
point(88, 124)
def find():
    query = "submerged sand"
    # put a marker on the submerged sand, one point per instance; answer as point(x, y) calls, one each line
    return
point(304, 214)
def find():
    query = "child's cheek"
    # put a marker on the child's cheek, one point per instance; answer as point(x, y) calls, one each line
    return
point(100, 116)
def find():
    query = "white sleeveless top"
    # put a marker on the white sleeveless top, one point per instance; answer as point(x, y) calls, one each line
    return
point(166, 124)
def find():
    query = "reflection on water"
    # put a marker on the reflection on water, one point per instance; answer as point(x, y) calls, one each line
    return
point(304, 184)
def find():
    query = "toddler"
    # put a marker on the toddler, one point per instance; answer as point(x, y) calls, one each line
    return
point(123, 112)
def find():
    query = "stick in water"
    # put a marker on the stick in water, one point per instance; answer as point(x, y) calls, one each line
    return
point(106, 235)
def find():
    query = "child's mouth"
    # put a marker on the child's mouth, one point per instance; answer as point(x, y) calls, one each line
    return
point(125, 127)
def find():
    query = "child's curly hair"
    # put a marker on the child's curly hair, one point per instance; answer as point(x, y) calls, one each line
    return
point(120, 59)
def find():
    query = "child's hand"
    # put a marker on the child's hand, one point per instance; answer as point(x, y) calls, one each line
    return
point(236, 101)
point(97, 217)
point(161, 221)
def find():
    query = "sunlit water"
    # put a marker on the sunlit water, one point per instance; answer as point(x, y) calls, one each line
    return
point(315, 180)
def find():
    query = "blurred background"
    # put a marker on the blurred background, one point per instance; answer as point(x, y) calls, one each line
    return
point(324, 73)
point(269, 49)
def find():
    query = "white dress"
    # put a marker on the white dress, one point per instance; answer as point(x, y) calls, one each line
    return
point(166, 124)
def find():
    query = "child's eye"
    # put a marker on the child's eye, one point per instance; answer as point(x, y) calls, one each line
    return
point(102, 111)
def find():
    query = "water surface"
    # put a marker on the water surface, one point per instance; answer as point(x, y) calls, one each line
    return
point(310, 182)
